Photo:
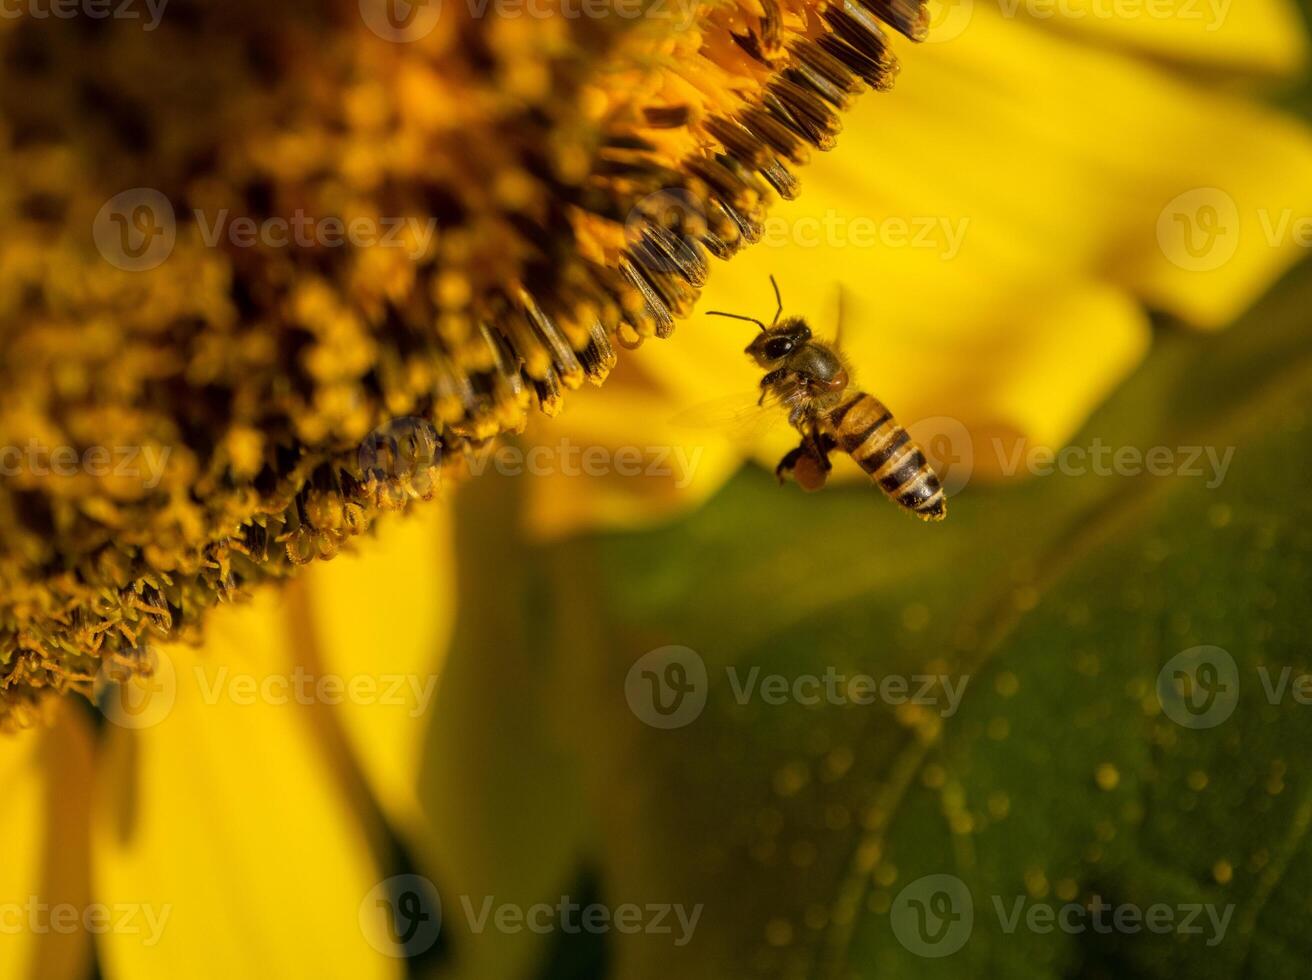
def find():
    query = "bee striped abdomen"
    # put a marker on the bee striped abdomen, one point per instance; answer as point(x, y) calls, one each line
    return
point(866, 431)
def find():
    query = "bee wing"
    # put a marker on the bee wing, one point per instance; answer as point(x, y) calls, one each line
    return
point(738, 415)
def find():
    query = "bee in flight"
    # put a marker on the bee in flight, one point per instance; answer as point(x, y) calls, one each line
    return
point(810, 378)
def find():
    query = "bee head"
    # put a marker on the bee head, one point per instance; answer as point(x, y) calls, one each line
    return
point(773, 346)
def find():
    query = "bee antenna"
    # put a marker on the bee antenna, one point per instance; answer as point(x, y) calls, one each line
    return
point(735, 316)
point(778, 299)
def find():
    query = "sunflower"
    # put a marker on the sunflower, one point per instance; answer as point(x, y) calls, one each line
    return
point(1028, 218)
point(334, 247)
point(254, 796)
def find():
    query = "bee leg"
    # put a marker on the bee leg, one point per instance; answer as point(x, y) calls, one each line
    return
point(770, 379)
point(822, 444)
point(808, 464)
point(789, 462)
point(818, 445)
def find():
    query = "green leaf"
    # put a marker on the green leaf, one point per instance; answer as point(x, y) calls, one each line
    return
point(501, 790)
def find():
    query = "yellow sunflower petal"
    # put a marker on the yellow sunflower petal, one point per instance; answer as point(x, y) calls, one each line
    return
point(223, 814)
point(1074, 156)
point(383, 616)
point(997, 225)
point(1264, 36)
point(47, 918)
point(621, 461)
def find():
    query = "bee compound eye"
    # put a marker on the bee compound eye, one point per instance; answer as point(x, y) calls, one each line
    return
point(778, 347)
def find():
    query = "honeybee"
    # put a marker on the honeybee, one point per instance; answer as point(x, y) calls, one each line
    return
point(810, 377)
